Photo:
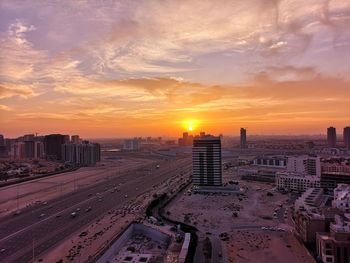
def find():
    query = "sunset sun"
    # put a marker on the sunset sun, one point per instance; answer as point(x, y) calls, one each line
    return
point(190, 125)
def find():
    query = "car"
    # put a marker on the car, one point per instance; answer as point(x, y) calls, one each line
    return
point(58, 216)
point(73, 214)
point(89, 195)
point(2, 250)
point(88, 209)
point(45, 203)
point(100, 200)
point(17, 213)
point(83, 234)
point(126, 196)
point(78, 209)
point(41, 215)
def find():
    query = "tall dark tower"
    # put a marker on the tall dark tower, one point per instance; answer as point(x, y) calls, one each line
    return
point(346, 135)
point(206, 161)
point(243, 138)
point(331, 137)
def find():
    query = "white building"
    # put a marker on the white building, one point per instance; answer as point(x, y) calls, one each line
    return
point(206, 161)
point(296, 182)
point(342, 197)
point(305, 165)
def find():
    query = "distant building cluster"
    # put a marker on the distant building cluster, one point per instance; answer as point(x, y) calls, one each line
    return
point(82, 154)
point(186, 140)
point(53, 147)
point(132, 144)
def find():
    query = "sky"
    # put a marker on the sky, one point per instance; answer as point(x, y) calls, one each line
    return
point(108, 68)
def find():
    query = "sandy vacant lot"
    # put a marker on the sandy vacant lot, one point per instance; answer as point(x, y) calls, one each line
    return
point(265, 247)
point(218, 213)
point(241, 217)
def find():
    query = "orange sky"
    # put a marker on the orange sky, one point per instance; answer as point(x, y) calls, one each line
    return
point(140, 68)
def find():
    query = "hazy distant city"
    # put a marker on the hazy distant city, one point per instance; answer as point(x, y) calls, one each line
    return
point(175, 131)
point(198, 198)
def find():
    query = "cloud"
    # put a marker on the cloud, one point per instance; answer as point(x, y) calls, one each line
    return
point(18, 57)
point(230, 60)
point(8, 90)
point(4, 108)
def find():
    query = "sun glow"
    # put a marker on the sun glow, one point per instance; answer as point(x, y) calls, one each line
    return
point(190, 125)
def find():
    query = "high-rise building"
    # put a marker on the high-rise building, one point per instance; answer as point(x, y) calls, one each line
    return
point(53, 146)
point(3, 148)
point(29, 149)
point(17, 150)
point(346, 134)
point(206, 161)
point(28, 137)
point(75, 139)
point(83, 154)
point(66, 138)
point(243, 138)
point(38, 149)
point(331, 137)
point(2, 140)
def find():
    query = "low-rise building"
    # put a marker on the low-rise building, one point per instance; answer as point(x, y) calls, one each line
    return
point(271, 161)
point(334, 247)
point(311, 215)
point(296, 182)
point(304, 164)
point(342, 197)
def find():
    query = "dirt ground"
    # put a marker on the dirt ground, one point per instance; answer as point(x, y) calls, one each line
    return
point(217, 213)
point(265, 247)
point(242, 218)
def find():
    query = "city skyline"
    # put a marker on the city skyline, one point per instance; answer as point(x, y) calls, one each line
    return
point(114, 68)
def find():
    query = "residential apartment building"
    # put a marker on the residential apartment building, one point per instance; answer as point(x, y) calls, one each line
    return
point(206, 161)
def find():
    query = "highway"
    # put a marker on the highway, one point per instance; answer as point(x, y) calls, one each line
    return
point(46, 224)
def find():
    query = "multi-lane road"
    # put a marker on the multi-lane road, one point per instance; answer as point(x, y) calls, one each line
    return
point(38, 228)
